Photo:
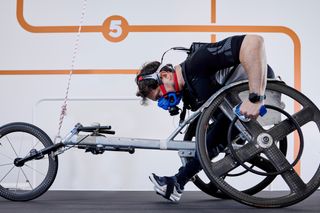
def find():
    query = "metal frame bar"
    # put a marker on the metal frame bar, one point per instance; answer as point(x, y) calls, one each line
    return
point(72, 139)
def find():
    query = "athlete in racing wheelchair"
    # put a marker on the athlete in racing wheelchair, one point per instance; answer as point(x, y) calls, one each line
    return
point(208, 67)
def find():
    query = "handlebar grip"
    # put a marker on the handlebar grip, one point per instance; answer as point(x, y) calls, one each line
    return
point(110, 132)
point(236, 110)
point(262, 110)
point(93, 128)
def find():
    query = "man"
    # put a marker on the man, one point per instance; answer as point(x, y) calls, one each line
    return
point(195, 80)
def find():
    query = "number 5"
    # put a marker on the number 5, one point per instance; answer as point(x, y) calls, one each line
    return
point(115, 28)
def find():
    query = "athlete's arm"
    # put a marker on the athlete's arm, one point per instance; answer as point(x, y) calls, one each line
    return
point(253, 58)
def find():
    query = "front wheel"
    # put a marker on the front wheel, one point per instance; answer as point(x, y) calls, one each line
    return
point(33, 178)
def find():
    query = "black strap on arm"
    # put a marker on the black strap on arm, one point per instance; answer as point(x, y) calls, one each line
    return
point(183, 113)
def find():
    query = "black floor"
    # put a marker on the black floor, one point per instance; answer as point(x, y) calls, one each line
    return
point(136, 201)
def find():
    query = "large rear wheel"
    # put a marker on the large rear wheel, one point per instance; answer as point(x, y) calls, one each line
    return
point(263, 142)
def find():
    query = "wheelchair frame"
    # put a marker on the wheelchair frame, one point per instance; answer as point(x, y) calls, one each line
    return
point(96, 142)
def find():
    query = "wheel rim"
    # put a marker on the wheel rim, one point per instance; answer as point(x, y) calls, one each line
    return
point(298, 188)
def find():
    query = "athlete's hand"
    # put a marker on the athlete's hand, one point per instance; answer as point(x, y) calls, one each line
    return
point(250, 110)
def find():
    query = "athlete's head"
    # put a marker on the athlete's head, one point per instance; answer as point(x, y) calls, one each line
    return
point(150, 79)
point(159, 83)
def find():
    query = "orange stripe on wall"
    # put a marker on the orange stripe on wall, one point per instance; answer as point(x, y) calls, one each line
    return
point(50, 29)
point(213, 38)
point(213, 11)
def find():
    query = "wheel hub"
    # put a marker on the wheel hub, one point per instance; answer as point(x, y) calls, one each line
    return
point(264, 140)
point(18, 163)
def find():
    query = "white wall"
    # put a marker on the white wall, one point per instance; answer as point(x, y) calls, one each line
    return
point(110, 99)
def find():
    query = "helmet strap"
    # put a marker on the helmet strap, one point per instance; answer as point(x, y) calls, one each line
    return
point(176, 85)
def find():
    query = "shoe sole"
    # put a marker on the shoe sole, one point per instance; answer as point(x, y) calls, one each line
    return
point(161, 190)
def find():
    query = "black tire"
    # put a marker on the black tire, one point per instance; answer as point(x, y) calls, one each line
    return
point(37, 175)
point(211, 189)
point(298, 187)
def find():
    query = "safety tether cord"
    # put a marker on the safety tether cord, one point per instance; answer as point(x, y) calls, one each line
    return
point(75, 52)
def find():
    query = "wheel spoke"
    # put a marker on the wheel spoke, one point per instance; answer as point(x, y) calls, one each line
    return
point(12, 146)
point(7, 174)
point(262, 163)
point(250, 129)
point(18, 179)
point(230, 101)
point(225, 165)
point(27, 179)
point(253, 127)
point(34, 169)
point(10, 158)
point(280, 162)
point(6, 164)
point(285, 127)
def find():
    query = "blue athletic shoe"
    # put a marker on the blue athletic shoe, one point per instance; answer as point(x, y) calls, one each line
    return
point(167, 187)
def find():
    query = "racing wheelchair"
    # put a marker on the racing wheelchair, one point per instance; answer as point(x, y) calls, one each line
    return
point(29, 158)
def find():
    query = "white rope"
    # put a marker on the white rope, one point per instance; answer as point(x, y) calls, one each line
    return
point(73, 61)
